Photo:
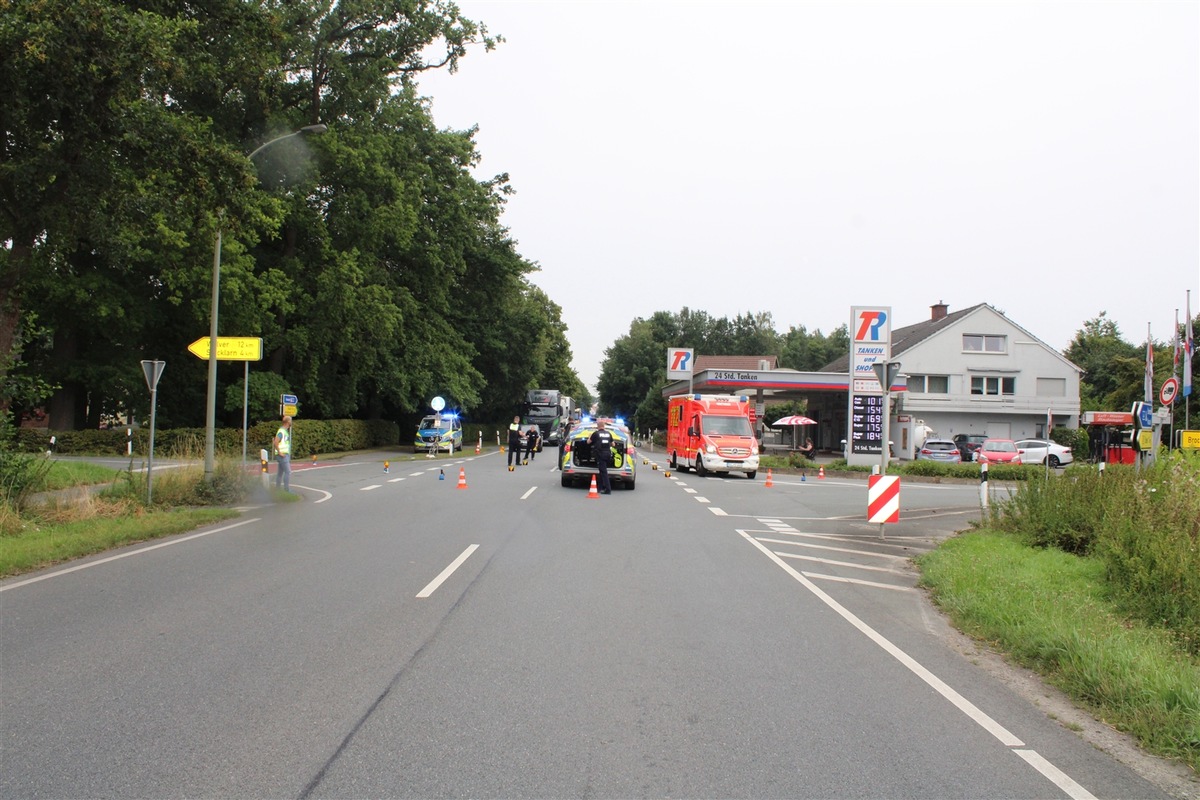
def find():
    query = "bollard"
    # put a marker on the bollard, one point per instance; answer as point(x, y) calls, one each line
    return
point(983, 487)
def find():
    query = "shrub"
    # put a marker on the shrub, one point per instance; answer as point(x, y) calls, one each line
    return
point(1062, 511)
point(1152, 547)
point(310, 436)
point(1144, 524)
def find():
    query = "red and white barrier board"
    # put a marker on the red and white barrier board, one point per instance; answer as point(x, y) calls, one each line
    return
point(883, 498)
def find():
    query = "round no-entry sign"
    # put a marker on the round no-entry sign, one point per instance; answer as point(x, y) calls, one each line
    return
point(1168, 391)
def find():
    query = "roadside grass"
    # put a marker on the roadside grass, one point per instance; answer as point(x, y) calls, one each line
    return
point(78, 522)
point(66, 474)
point(50, 536)
point(1053, 612)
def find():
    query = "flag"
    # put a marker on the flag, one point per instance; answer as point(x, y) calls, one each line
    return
point(1149, 382)
point(1175, 357)
point(1189, 349)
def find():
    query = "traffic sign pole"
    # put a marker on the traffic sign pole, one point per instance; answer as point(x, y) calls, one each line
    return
point(153, 371)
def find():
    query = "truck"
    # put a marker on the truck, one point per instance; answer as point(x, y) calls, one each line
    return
point(712, 433)
point(549, 409)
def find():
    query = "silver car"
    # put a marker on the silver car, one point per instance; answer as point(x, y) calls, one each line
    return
point(939, 450)
point(1037, 451)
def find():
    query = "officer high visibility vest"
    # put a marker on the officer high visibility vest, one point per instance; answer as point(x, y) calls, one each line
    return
point(283, 441)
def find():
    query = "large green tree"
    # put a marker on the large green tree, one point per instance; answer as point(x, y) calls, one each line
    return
point(370, 260)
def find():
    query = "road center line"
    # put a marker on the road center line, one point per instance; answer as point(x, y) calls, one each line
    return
point(369, 488)
point(139, 551)
point(531, 491)
point(447, 572)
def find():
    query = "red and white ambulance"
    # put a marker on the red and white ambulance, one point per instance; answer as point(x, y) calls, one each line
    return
point(712, 433)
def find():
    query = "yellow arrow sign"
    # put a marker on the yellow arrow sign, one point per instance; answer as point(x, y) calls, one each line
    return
point(229, 348)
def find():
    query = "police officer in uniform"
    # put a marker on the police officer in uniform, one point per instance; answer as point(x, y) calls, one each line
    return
point(602, 444)
point(531, 442)
point(515, 440)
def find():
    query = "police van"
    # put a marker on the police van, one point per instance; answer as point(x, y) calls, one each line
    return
point(438, 432)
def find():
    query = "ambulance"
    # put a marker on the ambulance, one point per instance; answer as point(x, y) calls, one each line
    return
point(712, 433)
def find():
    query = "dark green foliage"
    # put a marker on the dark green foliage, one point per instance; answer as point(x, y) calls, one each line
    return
point(1066, 512)
point(370, 260)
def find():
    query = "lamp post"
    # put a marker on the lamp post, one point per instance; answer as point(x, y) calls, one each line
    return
point(210, 425)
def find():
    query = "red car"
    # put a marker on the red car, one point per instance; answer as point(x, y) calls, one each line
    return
point(998, 451)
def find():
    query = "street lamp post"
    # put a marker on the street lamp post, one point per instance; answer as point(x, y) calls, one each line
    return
point(210, 425)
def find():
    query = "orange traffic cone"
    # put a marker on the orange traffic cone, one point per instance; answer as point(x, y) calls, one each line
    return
point(462, 478)
point(769, 482)
point(821, 474)
point(592, 491)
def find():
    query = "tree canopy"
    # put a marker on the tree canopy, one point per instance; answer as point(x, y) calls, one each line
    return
point(369, 259)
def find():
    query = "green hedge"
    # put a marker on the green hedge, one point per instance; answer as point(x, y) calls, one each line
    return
point(309, 436)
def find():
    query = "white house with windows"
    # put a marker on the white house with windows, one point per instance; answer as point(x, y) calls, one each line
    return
point(976, 371)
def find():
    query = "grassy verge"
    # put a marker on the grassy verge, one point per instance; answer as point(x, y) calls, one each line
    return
point(1052, 612)
point(65, 474)
point(73, 524)
point(41, 541)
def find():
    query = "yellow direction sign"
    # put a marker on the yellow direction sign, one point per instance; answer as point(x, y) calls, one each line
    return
point(229, 348)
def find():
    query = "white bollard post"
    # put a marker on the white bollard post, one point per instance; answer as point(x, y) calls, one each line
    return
point(983, 484)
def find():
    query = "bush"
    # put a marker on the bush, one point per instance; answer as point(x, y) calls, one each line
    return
point(309, 435)
point(21, 474)
point(1063, 511)
point(1152, 547)
point(1143, 523)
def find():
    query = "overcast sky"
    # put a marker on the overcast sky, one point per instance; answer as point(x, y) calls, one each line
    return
point(799, 158)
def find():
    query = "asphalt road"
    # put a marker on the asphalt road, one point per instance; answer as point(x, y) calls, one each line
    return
point(395, 635)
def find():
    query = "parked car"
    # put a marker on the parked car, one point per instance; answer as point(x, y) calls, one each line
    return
point(967, 444)
point(1038, 451)
point(942, 450)
point(579, 464)
point(998, 451)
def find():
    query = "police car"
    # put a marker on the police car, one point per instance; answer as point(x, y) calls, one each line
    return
point(438, 432)
point(579, 464)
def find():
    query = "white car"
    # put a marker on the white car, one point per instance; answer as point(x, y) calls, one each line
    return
point(1037, 451)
